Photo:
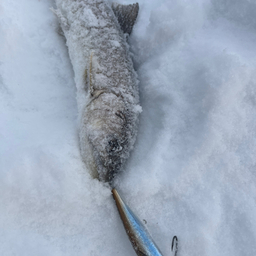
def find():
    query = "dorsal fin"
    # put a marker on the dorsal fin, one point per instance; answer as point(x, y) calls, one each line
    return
point(126, 15)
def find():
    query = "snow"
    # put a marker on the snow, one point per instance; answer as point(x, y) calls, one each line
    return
point(192, 171)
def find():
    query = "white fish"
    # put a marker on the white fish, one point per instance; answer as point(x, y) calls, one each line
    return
point(107, 86)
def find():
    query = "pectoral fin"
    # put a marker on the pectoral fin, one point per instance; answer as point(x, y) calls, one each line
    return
point(88, 77)
point(126, 15)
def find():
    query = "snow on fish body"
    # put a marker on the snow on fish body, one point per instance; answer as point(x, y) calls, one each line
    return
point(107, 86)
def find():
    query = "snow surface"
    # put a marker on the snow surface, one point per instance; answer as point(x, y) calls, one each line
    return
point(192, 172)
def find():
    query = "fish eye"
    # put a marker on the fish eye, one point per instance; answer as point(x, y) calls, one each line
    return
point(113, 145)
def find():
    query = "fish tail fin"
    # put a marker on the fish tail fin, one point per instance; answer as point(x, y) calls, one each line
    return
point(126, 15)
point(62, 20)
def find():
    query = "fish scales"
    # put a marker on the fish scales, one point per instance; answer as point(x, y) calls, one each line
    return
point(107, 85)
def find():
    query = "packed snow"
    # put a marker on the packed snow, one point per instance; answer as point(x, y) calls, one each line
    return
point(192, 171)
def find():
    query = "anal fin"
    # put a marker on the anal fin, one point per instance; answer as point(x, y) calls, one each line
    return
point(126, 15)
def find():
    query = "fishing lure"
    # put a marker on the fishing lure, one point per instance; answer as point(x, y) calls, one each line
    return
point(141, 240)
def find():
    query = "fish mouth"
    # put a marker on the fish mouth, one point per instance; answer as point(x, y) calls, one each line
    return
point(114, 162)
point(108, 158)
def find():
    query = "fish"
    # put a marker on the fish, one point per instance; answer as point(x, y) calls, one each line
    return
point(140, 238)
point(96, 35)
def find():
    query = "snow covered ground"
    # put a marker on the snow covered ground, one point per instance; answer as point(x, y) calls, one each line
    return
point(192, 172)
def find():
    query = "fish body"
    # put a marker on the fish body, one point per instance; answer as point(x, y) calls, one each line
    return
point(141, 241)
point(107, 85)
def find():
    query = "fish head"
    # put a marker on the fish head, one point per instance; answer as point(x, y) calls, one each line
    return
point(107, 124)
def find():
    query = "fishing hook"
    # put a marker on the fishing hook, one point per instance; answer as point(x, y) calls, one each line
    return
point(175, 245)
